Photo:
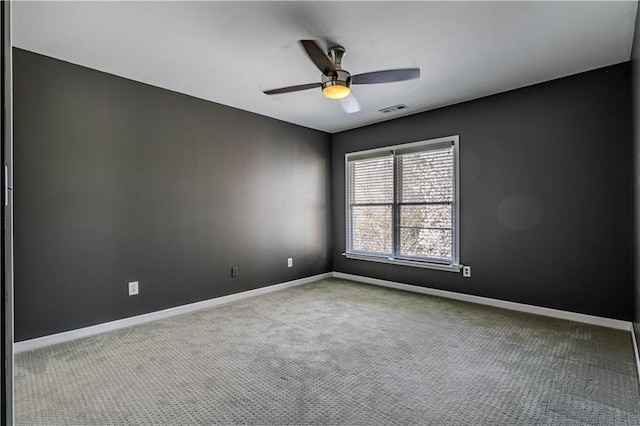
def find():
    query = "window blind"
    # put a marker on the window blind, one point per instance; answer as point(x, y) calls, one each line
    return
point(371, 195)
point(402, 202)
point(425, 186)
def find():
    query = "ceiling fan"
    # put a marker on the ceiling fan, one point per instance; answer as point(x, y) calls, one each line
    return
point(336, 82)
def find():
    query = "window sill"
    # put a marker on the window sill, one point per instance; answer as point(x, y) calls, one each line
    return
point(415, 264)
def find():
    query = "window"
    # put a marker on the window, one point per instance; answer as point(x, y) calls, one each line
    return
point(402, 204)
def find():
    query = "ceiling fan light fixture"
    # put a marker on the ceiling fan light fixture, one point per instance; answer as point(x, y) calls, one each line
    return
point(337, 85)
point(336, 91)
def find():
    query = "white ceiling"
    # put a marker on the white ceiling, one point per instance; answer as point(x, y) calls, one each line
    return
point(229, 52)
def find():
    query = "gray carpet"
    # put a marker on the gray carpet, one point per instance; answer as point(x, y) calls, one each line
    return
point(336, 352)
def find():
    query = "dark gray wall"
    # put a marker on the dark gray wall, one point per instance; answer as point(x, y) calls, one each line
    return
point(119, 181)
point(635, 160)
point(563, 144)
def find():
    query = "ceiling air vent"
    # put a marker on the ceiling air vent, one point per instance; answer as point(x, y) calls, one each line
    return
point(393, 108)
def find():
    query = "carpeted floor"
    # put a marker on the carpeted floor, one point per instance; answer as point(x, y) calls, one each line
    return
point(336, 352)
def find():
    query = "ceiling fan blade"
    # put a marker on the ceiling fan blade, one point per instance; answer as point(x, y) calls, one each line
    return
point(319, 58)
point(292, 88)
point(386, 76)
point(350, 104)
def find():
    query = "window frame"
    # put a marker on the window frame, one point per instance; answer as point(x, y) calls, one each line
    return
point(395, 150)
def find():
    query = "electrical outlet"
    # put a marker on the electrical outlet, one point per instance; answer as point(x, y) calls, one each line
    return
point(290, 262)
point(466, 271)
point(234, 271)
point(133, 288)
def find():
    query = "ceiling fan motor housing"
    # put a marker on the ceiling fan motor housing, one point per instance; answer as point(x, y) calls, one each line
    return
point(337, 84)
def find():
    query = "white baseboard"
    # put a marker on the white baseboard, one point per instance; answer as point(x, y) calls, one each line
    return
point(66, 336)
point(555, 313)
point(635, 349)
point(40, 342)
